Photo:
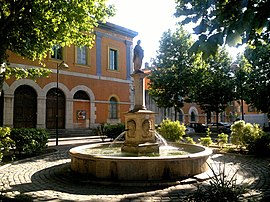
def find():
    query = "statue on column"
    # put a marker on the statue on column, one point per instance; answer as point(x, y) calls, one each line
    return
point(138, 56)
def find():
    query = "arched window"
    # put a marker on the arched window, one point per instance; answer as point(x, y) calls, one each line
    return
point(113, 113)
point(25, 107)
point(53, 96)
point(193, 117)
point(81, 95)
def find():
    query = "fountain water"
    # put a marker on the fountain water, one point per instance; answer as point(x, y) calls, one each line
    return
point(141, 156)
point(161, 139)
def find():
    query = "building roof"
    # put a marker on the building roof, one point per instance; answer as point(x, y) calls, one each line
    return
point(118, 29)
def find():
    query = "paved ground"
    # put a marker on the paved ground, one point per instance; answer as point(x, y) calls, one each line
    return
point(48, 178)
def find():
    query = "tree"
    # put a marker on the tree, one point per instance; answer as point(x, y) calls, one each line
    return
point(214, 87)
point(258, 80)
point(31, 28)
point(233, 22)
point(169, 81)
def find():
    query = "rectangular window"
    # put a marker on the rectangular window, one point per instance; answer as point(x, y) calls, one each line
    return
point(113, 59)
point(57, 52)
point(82, 55)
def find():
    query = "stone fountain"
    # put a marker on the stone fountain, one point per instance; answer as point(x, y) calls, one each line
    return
point(139, 158)
point(140, 122)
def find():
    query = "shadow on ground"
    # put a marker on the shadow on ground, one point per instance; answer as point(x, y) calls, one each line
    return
point(61, 178)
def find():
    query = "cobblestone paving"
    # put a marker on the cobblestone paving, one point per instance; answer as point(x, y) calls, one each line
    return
point(48, 178)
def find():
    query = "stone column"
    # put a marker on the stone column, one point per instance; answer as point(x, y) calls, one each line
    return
point(138, 77)
point(69, 114)
point(41, 112)
point(8, 110)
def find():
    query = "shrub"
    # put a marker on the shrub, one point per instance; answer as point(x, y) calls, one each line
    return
point(171, 130)
point(261, 146)
point(244, 134)
point(208, 132)
point(222, 139)
point(221, 188)
point(29, 140)
point(113, 131)
point(190, 140)
point(6, 143)
point(206, 141)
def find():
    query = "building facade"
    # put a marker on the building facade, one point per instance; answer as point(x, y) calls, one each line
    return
point(94, 89)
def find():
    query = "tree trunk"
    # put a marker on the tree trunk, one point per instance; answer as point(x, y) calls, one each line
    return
point(175, 114)
point(2, 78)
point(165, 114)
point(217, 113)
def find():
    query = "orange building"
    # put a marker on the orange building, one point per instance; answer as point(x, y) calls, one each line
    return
point(94, 89)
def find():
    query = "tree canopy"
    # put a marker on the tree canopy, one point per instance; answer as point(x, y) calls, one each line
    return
point(31, 28)
point(214, 86)
point(169, 80)
point(257, 83)
point(233, 22)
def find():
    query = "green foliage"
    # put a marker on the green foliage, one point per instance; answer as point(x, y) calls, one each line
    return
point(6, 143)
point(257, 81)
point(113, 130)
point(171, 80)
point(190, 140)
point(261, 146)
point(206, 141)
point(33, 34)
point(222, 139)
point(221, 188)
point(29, 140)
point(214, 86)
point(31, 29)
point(218, 22)
point(244, 134)
point(208, 132)
point(171, 130)
point(31, 73)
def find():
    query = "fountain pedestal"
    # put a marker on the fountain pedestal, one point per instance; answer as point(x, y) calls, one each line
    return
point(140, 122)
point(140, 136)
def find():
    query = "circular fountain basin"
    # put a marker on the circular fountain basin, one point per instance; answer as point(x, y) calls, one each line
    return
point(128, 167)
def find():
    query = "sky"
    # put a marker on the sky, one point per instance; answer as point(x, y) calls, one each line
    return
point(150, 18)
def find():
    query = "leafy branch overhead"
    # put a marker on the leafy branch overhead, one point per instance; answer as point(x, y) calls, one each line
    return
point(31, 73)
point(31, 28)
point(218, 22)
